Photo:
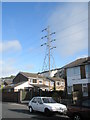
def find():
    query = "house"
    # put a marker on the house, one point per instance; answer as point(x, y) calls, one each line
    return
point(7, 82)
point(29, 80)
point(59, 83)
point(61, 73)
point(56, 75)
point(16, 87)
point(78, 76)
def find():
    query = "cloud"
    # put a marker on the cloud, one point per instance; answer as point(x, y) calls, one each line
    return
point(7, 69)
point(10, 66)
point(82, 56)
point(1, 62)
point(8, 46)
point(70, 21)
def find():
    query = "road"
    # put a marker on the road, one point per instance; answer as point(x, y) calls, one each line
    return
point(13, 110)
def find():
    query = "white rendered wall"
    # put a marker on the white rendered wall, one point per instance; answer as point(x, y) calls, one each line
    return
point(22, 86)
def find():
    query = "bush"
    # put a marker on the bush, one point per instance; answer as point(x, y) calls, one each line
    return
point(56, 96)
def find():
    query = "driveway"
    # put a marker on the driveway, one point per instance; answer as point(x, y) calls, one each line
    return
point(13, 110)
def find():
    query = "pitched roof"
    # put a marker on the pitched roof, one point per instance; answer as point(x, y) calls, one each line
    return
point(31, 75)
point(78, 62)
point(55, 79)
point(7, 82)
point(13, 85)
point(34, 75)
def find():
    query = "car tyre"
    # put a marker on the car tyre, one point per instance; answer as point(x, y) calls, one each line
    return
point(47, 112)
point(30, 109)
point(76, 117)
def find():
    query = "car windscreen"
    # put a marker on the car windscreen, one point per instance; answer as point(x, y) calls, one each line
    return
point(48, 100)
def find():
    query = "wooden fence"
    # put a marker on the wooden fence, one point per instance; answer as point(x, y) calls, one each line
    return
point(11, 96)
point(23, 95)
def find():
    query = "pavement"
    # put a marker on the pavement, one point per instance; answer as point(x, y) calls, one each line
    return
point(24, 102)
point(14, 110)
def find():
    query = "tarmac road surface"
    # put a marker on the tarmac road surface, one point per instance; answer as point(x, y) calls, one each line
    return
point(14, 110)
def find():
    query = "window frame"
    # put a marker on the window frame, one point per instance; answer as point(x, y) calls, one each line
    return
point(34, 81)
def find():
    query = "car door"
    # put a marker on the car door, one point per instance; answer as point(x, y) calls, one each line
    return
point(34, 104)
point(40, 105)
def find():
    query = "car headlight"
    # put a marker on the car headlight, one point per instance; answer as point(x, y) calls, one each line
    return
point(53, 109)
point(63, 109)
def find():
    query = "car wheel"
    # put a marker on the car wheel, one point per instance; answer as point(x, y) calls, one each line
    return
point(76, 117)
point(47, 112)
point(30, 109)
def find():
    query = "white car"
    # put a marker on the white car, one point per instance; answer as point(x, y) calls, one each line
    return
point(46, 104)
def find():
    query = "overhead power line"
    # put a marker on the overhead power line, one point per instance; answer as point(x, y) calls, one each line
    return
point(74, 33)
point(72, 25)
point(72, 16)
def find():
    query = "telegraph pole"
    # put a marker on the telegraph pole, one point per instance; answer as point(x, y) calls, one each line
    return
point(48, 45)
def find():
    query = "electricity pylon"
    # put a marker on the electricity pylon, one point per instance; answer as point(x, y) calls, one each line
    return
point(48, 49)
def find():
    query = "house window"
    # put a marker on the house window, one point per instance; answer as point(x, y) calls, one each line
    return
point(58, 83)
point(76, 70)
point(85, 89)
point(34, 80)
point(69, 89)
point(88, 68)
point(47, 83)
point(62, 83)
point(73, 71)
point(40, 81)
point(51, 83)
point(88, 71)
point(83, 73)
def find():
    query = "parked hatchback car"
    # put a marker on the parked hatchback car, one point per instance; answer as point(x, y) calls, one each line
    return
point(80, 110)
point(47, 105)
